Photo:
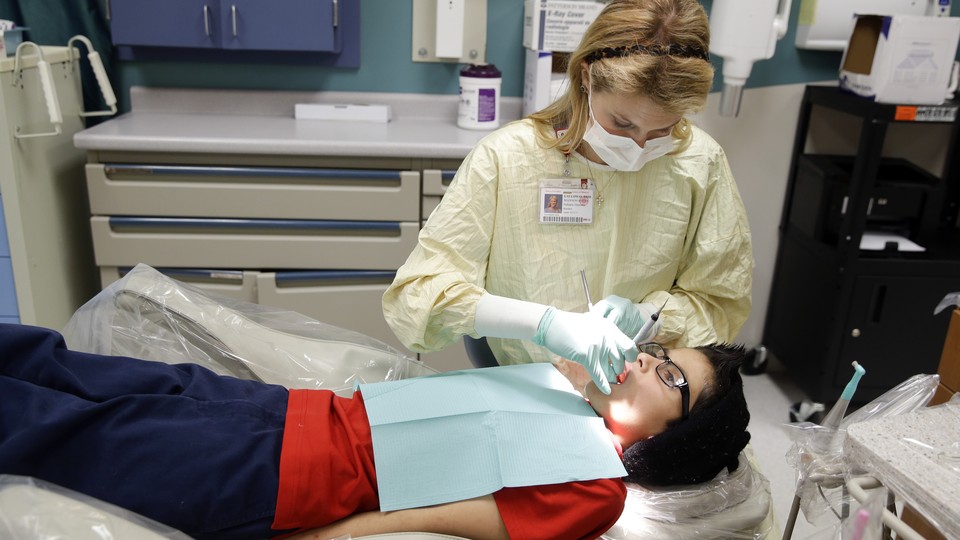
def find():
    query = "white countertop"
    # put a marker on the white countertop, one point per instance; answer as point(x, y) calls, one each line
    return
point(262, 122)
point(917, 456)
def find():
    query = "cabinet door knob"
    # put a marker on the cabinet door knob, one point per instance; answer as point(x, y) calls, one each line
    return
point(855, 332)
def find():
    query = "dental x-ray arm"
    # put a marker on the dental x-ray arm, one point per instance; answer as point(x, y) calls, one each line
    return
point(744, 32)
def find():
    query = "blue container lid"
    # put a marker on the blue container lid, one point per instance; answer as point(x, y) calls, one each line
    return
point(482, 71)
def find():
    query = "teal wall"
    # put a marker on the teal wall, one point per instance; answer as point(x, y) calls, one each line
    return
point(386, 65)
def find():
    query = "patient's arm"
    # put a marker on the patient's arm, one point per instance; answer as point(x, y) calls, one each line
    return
point(477, 519)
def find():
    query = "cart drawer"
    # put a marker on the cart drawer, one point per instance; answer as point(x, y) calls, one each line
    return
point(349, 299)
point(251, 243)
point(436, 181)
point(430, 203)
point(236, 284)
point(253, 192)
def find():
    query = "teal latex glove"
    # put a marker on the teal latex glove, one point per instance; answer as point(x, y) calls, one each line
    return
point(628, 317)
point(588, 339)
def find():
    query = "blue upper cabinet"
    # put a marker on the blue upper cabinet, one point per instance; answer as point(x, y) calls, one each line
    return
point(185, 23)
point(331, 27)
point(289, 25)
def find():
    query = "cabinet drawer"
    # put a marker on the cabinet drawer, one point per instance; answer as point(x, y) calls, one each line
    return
point(436, 181)
point(253, 192)
point(251, 243)
point(348, 299)
point(430, 204)
point(237, 284)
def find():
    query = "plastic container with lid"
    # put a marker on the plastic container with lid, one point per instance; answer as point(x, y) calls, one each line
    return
point(479, 97)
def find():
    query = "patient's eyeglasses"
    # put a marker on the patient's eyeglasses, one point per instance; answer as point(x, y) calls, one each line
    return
point(669, 373)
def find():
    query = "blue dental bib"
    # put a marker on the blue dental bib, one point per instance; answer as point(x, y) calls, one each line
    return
point(464, 434)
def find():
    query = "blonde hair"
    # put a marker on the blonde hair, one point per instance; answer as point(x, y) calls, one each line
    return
point(652, 48)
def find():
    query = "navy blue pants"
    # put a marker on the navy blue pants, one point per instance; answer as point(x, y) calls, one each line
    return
point(178, 444)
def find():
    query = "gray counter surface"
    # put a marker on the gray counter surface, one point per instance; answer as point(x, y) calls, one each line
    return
point(916, 455)
point(261, 122)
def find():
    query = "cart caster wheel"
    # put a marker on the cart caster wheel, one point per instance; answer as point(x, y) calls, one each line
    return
point(755, 361)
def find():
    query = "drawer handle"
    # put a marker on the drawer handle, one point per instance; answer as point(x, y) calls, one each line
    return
point(193, 274)
point(245, 172)
point(446, 177)
point(331, 277)
point(267, 226)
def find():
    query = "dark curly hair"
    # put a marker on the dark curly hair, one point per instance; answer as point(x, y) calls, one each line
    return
point(695, 450)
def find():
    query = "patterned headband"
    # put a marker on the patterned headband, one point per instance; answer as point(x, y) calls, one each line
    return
point(682, 51)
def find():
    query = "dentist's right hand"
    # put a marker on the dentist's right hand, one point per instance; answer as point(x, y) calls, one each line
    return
point(586, 338)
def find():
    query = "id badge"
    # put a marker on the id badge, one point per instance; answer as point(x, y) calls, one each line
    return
point(566, 201)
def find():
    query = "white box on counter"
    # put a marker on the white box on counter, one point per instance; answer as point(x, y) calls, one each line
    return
point(542, 85)
point(557, 25)
point(904, 59)
point(335, 111)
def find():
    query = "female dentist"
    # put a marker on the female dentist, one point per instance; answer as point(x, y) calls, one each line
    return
point(650, 212)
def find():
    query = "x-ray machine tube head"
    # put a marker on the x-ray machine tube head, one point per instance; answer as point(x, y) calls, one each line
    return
point(743, 32)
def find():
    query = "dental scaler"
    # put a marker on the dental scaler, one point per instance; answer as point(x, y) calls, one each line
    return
point(647, 325)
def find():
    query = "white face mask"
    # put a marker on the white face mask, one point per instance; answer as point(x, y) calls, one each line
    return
point(623, 153)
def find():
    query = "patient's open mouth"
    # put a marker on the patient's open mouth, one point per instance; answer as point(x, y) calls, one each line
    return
point(623, 376)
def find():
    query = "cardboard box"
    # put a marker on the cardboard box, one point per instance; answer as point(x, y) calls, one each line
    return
point(949, 372)
point(544, 79)
point(557, 25)
point(903, 59)
point(949, 369)
point(950, 358)
point(920, 524)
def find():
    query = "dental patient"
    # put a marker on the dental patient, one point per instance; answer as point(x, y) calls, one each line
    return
point(219, 457)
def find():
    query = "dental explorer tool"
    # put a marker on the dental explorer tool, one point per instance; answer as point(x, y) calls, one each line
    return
point(647, 325)
point(586, 289)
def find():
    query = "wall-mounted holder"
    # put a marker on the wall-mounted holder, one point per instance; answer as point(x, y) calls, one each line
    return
point(101, 75)
point(439, 26)
point(49, 91)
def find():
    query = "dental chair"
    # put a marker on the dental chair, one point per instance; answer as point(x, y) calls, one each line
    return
point(31, 509)
point(701, 512)
point(479, 353)
point(148, 315)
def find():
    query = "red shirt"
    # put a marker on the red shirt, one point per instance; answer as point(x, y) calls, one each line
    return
point(327, 473)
